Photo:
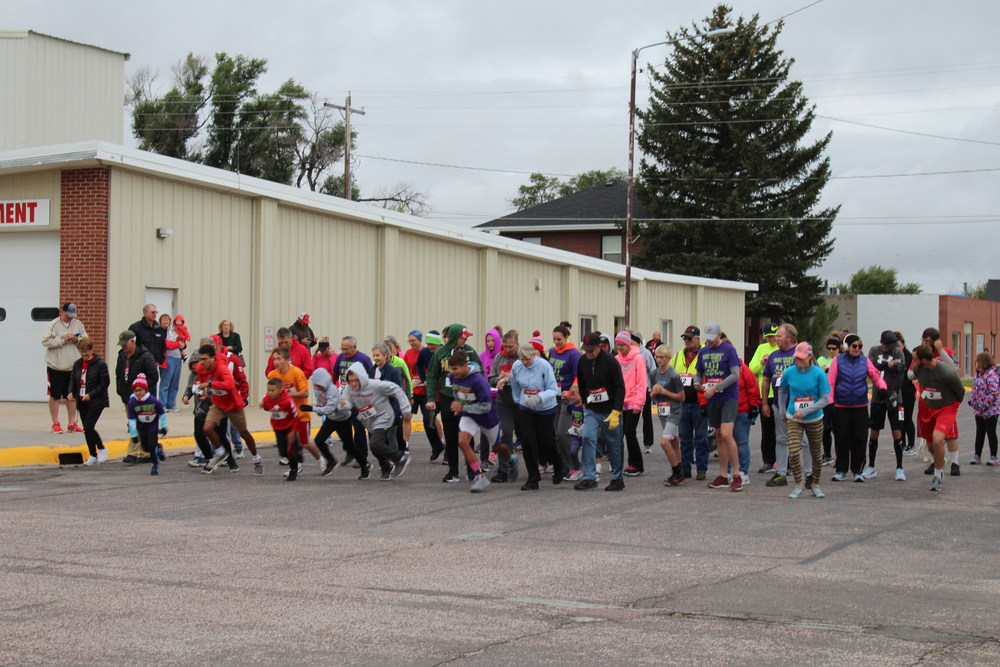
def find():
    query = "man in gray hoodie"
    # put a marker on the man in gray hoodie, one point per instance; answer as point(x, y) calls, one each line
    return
point(373, 401)
point(338, 419)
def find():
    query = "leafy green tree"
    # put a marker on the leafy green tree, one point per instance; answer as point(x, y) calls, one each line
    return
point(817, 325)
point(166, 125)
point(542, 188)
point(876, 280)
point(728, 178)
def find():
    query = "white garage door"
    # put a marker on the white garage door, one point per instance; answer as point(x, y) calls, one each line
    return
point(29, 281)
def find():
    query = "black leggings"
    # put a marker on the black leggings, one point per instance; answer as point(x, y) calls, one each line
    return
point(630, 422)
point(343, 430)
point(851, 438)
point(89, 414)
point(537, 439)
point(986, 427)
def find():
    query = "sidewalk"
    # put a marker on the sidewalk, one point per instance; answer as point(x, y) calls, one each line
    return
point(25, 437)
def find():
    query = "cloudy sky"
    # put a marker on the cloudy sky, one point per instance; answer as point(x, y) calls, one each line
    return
point(464, 100)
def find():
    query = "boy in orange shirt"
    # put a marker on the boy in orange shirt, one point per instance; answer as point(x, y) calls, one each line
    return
point(295, 383)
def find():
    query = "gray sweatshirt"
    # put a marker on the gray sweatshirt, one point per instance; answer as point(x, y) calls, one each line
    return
point(371, 400)
point(327, 397)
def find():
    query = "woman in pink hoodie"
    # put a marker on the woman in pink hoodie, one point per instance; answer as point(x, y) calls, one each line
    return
point(635, 376)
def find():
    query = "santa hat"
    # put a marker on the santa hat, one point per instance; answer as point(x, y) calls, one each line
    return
point(536, 341)
point(140, 381)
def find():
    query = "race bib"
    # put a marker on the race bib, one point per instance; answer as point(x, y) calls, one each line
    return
point(663, 409)
point(532, 392)
point(803, 402)
point(930, 394)
point(687, 379)
point(777, 381)
point(447, 381)
point(902, 413)
point(146, 418)
point(278, 415)
point(712, 381)
point(465, 396)
point(368, 411)
point(599, 395)
point(575, 429)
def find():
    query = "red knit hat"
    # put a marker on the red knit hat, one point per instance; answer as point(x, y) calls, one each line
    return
point(536, 341)
point(140, 381)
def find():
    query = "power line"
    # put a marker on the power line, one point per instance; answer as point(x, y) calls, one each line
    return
point(919, 134)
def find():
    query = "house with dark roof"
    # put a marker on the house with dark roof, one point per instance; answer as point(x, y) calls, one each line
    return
point(585, 222)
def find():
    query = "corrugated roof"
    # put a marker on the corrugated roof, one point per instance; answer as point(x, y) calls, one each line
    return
point(21, 34)
point(93, 153)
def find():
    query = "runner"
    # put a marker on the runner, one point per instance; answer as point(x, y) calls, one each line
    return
point(297, 386)
point(667, 394)
point(455, 337)
point(474, 407)
point(808, 393)
point(337, 419)
point(417, 358)
point(888, 360)
point(506, 408)
point(534, 387)
point(216, 379)
point(635, 375)
point(143, 412)
point(786, 337)
point(694, 425)
point(602, 388)
point(932, 338)
point(371, 400)
point(848, 376)
point(756, 364)
point(718, 374)
point(564, 358)
point(284, 423)
point(941, 391)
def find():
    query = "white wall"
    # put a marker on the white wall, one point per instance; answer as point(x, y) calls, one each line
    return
point(909, 314)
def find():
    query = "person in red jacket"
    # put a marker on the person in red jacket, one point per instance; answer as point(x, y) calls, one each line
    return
point(284, 422)
point(215, 378)
point(297, 353)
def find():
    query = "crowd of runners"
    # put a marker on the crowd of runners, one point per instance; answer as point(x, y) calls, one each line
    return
point(569, 413)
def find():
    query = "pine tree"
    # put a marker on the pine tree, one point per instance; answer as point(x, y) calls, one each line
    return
point(727, 177)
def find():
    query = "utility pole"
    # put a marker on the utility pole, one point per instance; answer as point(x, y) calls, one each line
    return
point(347, 139)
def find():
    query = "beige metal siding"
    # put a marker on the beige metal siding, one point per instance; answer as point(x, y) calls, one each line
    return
point(600, 295)
point(56, 92)
point(206, 260)
point(527, 294)
point(36, 185)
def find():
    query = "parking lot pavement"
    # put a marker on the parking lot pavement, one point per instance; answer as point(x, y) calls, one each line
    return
point(113, 566)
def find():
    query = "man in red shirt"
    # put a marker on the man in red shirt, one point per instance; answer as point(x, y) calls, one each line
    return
point(297, 353)
point(215, 378)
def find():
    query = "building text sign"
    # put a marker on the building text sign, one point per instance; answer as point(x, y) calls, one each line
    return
point(24, 213)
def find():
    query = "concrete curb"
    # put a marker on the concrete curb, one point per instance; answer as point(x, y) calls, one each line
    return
point(13, 457)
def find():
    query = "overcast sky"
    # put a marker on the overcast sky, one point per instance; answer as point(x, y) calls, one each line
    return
point(505, 89)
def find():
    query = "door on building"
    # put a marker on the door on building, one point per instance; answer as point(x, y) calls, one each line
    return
point(165, 300)
point(29, 299)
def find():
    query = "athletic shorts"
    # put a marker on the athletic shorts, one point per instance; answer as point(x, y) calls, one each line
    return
point(722, 413)
point(302, 428)
point(470, 426)
point(942, 420)
point(877, 417)
point(59, 383)
point(237, 418)
point(671, 431)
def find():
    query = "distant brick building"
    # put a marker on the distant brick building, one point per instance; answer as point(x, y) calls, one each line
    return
point(585, 222)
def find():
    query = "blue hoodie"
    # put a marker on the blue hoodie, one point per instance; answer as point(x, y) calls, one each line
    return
point(534, 380)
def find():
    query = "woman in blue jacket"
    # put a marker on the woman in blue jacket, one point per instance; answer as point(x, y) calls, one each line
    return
point(534, 388)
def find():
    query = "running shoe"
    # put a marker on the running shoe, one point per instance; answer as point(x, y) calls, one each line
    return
point(283, 461)
point(975, 461)
point(777, 480)
point(129, 460)
point(574, 475)
point(956, 471)
point(737, 484)
point(197, 462)
point(936, 483)
point(839, 477)
point(328, 468)
point(700, 475)
point(632, 471)
point(434, 456)
point(828, 460)
point(929, 470)
point(599, 467)
point(900, 475)
point(479, 484)
point(530, 485)
point(718, 482)
point(910, 451)
point(298, 469)
point(239, 454)
point(91, 461)
point(386, 475)
point(992, 462)
point(859, 477)
point(218, 456)
point(585, 484)
point(159, 453)
point(451, 479)
point(818, 492)
point(399, 467)
point(674, 480)
point(647, 450)
point(233, 467)
point(102, 455)
point(500, 478)
point(74, 428)
point(767, 467)
point(154, 470)
point(366, 471)
point(796, 492)
point(615, 485)
point(869, 472)
point(258, 466)
point(56, 428)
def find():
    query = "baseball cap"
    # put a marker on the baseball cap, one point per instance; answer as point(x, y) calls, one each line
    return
point(889, 338)
point(803, 351)
point(770, 329)
point(217, 339)
point(465, 333)
point(304, 317)
point(691, 332)
point(712, 330)
point(125, 337)
point(69, 309)
point(591, 341)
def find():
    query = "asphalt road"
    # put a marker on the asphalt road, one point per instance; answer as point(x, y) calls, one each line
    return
point(112, 566)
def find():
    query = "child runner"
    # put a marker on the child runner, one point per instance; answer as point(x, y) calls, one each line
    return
point(667, 395)
point(574, 410)
point(475, 411)
point(371, 400)
point(284, 421)
point(293, 379)
point(335, 418)
point(144, 410)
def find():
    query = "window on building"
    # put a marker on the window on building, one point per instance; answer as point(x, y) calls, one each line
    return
point(44, 314)
point(611, 248)
point(667, 331)
point(537, 240)
point(588, 324)
point(619, 325)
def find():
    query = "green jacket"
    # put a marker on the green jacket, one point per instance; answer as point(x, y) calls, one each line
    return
point(437, 369)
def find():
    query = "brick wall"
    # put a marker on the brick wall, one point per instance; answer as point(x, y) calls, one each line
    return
point(580, 242)
point(83, 249)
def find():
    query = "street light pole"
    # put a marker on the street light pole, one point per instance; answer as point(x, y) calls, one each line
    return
point(711, 34)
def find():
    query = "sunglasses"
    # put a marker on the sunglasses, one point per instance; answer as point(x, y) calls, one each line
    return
point(856, 346)
point(833, 348)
